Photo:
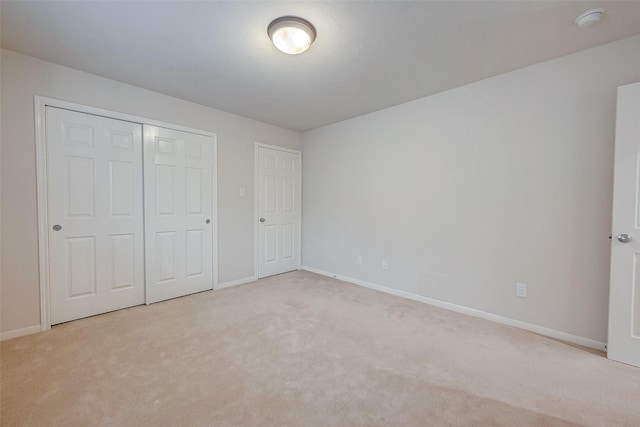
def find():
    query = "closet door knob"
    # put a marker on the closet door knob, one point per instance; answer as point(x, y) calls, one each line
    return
point(624, 238)
point(57, 227)
point(262, 219)
point(208, 221)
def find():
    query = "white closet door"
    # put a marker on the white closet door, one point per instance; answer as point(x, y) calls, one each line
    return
point(624, 290)
point(178, 170)
point(94, 191)
point(279, 209)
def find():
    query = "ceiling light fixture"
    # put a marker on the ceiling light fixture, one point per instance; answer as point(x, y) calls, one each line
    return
point(589, 17)
point(292, 35)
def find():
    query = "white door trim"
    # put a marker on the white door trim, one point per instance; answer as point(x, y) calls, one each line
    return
point(40, 104)
point(256, 214)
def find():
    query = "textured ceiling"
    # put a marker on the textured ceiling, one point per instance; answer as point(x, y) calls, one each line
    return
point(367, 56)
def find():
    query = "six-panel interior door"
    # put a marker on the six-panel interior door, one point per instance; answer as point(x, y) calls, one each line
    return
point(279, 211)
point(178, 168)
point(624, 298)
point(95, 215)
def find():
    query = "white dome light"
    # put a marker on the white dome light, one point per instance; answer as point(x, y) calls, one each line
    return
point(589, 17)
point(292, 35)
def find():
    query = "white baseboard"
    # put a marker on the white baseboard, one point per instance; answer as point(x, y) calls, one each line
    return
point(20, 332)
point(236, 282)
point(552, 333)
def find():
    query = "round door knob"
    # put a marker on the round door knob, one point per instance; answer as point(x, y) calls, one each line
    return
point(624, 238)
point(57, 227)
point(208, 221)
point(262, 219)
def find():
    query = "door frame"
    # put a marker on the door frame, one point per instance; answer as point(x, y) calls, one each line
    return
point(40, 104)
point(256, 207)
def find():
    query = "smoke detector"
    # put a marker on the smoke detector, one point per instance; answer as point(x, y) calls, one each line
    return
point(589, 17)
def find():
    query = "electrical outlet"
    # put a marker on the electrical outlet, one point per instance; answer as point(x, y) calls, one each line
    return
point(521, 290)
point(359, 260)
point(384, 264)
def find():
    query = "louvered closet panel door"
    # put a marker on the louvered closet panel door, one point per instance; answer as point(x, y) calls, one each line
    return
point(178, 213)
point(95, 214)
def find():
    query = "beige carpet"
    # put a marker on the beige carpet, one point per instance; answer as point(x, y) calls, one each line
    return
point(304, 350)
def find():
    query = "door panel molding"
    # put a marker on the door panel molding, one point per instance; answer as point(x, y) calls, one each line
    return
point(40, 104)
point(296, 204)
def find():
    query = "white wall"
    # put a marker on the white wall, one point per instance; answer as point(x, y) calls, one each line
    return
point(22, 77)
point(471, 190)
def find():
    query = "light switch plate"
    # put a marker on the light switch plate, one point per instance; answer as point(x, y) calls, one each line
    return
point(521, 290)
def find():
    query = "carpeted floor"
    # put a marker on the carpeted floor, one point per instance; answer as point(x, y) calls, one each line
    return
point(305, 350)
